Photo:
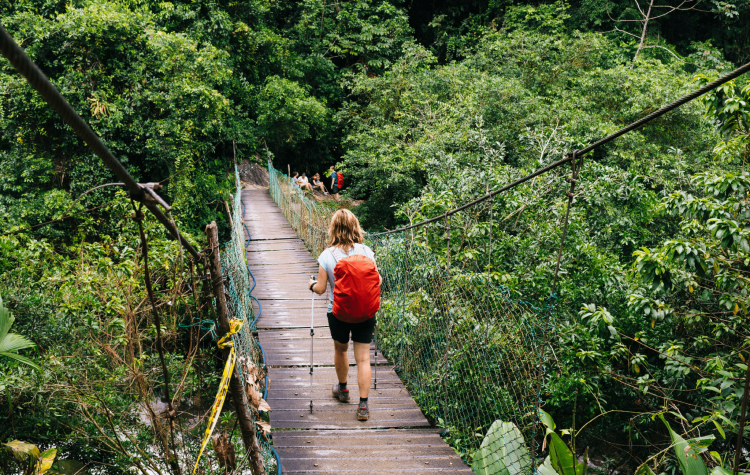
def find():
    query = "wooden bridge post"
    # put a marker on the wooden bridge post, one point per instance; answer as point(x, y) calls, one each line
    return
point(247, 428)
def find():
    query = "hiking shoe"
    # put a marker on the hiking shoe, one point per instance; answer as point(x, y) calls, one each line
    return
point(343, 396)
point(363, 413)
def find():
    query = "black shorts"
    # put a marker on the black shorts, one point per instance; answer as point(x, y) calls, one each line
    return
point(334, 190)
point(361, 332)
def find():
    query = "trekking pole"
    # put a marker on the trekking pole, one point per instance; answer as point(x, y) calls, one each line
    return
point(375, 361)
point(312, 334)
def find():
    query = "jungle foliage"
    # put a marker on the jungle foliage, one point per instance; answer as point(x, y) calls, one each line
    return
point(423, 106)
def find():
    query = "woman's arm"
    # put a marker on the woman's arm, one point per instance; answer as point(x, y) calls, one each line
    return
point(381, 277)
point(322, 284)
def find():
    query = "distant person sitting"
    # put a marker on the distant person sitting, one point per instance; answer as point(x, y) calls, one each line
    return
point(334, 184)
point(295, 179)
point(318, 185)
point(303, 183)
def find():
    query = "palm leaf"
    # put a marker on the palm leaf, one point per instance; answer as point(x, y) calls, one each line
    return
point(11, 343)
point(21, 359)
point(6, 320)
point(14, 342)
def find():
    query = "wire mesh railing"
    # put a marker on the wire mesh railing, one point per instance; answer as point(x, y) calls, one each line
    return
point(471, 355)
point(238, 286)
point(308, 218)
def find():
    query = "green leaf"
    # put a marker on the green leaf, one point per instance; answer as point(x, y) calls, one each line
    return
point(10, 343)
point(561, 457)
point(687, 458)
point(13, 343)
point(720, 471)
point(547, 420)
point(503, 451)
point(46, 459)
point(22, 451)
point(547, 469)
point(21, 359)
point(720, 429)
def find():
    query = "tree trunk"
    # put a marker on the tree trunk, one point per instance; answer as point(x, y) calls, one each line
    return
point(235, 386)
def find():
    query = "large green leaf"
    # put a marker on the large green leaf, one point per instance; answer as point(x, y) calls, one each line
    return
point(22, 451)
point(561, 457)
point(547, 420)
point(687, 457)
point(503, 451)
point(46, 459)
point(546, 468)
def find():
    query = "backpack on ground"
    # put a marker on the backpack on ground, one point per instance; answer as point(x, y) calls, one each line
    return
point(356, 295)
point(339, 180)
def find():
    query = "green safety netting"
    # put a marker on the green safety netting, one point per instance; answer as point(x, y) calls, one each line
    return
point(238, 287)
point(308, 217)
point(470, 354)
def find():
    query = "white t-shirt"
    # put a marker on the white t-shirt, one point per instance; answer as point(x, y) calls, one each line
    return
point(302, 180)
point(331, 256)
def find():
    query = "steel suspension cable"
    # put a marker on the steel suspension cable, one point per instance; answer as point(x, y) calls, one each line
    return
point(29, 70)
point(643, 120)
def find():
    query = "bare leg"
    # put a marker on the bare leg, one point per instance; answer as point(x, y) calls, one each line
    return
point(341, 360)
point(362, 357)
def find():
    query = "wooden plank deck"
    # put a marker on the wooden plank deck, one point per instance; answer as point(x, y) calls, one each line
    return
point(397, 439)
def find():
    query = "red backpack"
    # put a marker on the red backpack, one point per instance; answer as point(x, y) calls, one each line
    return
point(339, 180)
point(356, 295)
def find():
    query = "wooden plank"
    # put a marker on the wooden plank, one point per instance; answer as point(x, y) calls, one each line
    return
point(285, 321)
point(322, 356)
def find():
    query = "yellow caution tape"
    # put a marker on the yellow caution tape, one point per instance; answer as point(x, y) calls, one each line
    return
point(225, 341)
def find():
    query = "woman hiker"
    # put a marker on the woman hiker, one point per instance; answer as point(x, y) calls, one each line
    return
point(349, 266)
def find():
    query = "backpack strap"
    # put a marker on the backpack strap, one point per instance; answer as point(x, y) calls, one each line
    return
point(344, 255)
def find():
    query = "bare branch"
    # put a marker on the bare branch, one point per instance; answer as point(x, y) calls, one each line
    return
point(665, 49)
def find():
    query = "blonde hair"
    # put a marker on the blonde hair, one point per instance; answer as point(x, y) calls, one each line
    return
point(345, 230)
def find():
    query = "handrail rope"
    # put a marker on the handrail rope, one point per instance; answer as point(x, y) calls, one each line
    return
point(28, 69)
point(643, 120)
point(278, 461)
point(255, 282)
